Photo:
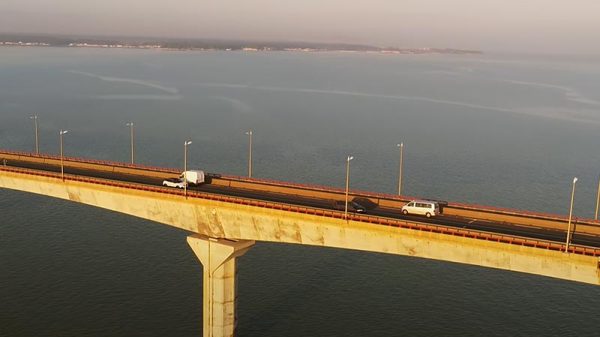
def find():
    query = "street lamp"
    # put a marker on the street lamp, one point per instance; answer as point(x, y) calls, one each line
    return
point(185, 182)
point(401, 146)
point(249, 133)
point(130, 125)
point(597, 200)
point(37, 144)
point(570, 216)
point(62, 164)
point(347, 183)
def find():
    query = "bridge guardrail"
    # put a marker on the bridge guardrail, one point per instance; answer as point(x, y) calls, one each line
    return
point(495, 214)
point(489, 213)
point(469, 233)
point(100, 165)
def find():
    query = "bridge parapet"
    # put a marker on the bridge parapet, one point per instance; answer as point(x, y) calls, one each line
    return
point(486, 213)
point(99, 165)
point(357, 218)
point(495, 214)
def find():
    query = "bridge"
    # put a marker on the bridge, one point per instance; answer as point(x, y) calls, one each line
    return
point(226, 216)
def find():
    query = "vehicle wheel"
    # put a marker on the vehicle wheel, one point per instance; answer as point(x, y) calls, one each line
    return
point(428, 215)
point(405, 212)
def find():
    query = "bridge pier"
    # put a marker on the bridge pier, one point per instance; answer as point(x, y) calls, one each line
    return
point(218, 258)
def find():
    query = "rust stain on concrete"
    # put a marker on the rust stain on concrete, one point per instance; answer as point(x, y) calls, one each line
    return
point(298, 233)
point(74, 197)
point(215, 224)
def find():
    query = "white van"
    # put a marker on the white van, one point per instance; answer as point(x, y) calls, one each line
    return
point(194, 178)
point(421, 207)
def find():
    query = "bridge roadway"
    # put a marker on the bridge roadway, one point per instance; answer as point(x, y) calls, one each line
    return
point(547, 234)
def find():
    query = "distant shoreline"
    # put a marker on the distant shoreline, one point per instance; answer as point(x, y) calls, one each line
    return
point(14, 40)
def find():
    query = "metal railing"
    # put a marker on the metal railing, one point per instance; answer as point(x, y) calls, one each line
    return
point(439, 229)
point(320, 188)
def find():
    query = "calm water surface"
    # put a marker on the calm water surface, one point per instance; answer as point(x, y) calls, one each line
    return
point(499, 130)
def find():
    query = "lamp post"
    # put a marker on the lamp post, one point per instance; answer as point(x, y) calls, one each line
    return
point(347, 183)
point(185, 182)
point(62, 165)
point(570, 216)
point(249, 133)
point(597, 200)
point(37, 143)
point(401, 146)
point(130, 125)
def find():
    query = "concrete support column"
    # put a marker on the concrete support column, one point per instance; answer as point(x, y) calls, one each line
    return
point(218, 258)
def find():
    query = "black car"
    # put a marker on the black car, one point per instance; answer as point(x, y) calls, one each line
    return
point(352, 206)
point(364, 203)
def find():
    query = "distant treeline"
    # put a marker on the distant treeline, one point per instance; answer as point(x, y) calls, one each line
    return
point(215, 44)
point(238, 45)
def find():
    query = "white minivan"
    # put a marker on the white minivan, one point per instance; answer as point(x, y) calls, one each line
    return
point(421, 207)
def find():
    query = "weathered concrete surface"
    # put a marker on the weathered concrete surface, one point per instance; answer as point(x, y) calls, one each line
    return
point(219, 219)
point(218, 258)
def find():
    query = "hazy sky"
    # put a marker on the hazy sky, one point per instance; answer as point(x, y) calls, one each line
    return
point(560, 26)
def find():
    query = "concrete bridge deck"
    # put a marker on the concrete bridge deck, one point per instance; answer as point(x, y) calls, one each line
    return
point(505, 221)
